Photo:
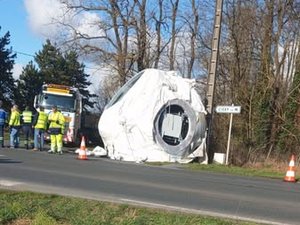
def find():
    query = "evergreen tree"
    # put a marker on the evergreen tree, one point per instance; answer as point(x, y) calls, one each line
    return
point(65, 69)
point(78, 78)
point(51, 64)
point(7, 86)
point(28, 85)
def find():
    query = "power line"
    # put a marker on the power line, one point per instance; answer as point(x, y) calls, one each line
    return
point(30, 55)
point(23, 53)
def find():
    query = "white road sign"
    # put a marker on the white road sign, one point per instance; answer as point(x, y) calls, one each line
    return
point(232, 109)
point(228, 109)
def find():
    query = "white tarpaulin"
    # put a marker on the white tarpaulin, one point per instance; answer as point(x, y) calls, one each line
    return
point(156, 116)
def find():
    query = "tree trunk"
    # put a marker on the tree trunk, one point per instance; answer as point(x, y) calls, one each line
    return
point(173, 34)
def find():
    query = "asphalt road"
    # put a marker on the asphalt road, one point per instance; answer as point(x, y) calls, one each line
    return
point(170, 187)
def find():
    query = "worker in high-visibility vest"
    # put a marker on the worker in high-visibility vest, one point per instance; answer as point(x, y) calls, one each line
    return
point(56, 122)
point(40, 126)
point(3, 118)
point(14, 127)
point(26, 119)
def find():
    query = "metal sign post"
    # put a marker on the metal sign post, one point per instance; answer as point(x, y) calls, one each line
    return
point(228, 140)
point(232, 110)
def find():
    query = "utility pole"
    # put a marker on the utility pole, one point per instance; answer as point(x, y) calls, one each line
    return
point(211, 80)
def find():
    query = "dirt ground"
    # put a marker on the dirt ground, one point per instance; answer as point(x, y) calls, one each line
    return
point(21, 222)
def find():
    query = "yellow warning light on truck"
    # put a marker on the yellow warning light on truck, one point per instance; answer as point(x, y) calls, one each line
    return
point(58, 90)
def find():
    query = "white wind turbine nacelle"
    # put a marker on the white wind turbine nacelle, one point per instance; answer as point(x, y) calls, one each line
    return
point(156, 116)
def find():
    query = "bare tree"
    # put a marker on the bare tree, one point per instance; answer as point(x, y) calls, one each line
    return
point(237, 72)
point(258, 49)
point(141, 34)
point(194, 32)
point(158, 27)
point(255, 61)
point(111, 44)
point(173, 32)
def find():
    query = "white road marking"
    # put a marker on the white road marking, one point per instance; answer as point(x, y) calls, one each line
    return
point(9, 183)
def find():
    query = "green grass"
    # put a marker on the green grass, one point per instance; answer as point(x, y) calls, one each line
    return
point(267, 171)
point(41, 209)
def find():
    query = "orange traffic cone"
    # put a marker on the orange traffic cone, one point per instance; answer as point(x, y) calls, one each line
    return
point(290, 174)
point(82, 151)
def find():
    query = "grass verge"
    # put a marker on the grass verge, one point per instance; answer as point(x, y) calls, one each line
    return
point(234, 170)
point(24, 208)
point(270, 169)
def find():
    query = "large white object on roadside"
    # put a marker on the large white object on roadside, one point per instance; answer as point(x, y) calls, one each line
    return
point(157, 116)
point(99, 151)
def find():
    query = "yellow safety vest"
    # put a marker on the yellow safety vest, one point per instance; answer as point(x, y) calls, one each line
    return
point(41, 121)
point(53, 118)
point(27, 117)
point(14, 119)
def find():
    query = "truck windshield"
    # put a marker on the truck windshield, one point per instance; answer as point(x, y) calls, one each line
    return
point(64, 103)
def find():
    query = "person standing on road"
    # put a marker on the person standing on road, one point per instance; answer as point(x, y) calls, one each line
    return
point(14, 127)
point(56, 122)
point(26, 118)
point(3, 118)
point(39, 125)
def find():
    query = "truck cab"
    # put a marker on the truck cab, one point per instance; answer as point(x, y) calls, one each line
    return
point(69, 101)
